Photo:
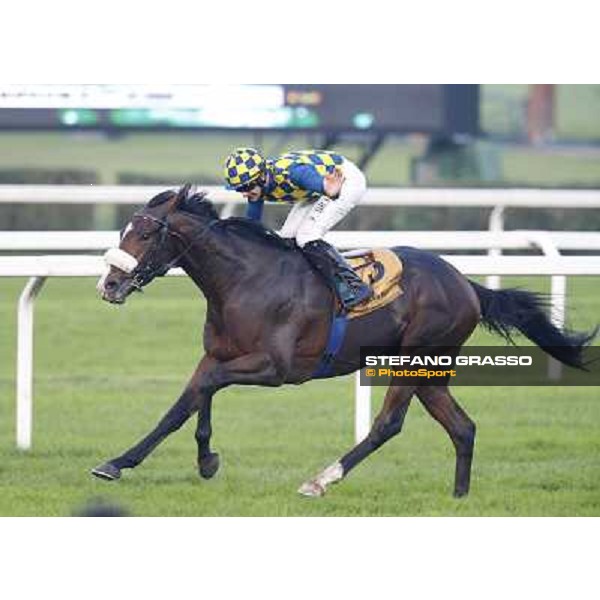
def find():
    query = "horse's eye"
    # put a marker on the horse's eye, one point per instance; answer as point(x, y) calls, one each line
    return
point(145, 236)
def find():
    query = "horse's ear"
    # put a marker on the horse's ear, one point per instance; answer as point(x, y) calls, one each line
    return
point(183, 194)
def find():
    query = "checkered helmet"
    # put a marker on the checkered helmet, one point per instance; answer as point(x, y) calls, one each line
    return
point(242, 167)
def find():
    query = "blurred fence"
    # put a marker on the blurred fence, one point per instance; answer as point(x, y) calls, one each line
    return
point(39, 268)
point(495, 201)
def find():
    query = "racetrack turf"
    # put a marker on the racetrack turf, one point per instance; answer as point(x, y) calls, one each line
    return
point(104, 375)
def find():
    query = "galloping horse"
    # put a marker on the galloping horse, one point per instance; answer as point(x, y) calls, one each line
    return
point(269, 315)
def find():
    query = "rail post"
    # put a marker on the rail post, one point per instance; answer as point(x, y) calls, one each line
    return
point(558, 294)
point(496, 224)
point(25, 361)
point(362, 409)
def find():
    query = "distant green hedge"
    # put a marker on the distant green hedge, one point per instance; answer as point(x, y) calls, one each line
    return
point(40, 216)
point(146, 179)
point(73, 217)
point(47, 176)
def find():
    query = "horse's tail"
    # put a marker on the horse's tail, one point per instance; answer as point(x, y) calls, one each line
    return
point(504, 311)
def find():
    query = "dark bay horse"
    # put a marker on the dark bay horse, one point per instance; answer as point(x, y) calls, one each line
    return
point(268, 320)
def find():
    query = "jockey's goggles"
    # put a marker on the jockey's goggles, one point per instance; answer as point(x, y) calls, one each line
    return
point(248, 187)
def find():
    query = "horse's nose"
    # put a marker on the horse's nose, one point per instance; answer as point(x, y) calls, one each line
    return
point(110, 285)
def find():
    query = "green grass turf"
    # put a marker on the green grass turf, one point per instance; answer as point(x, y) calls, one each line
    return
point(104, 375)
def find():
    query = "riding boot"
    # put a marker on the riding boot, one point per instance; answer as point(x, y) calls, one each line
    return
point(349, 287)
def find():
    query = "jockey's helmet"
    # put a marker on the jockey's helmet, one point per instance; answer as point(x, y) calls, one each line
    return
point(243, 167)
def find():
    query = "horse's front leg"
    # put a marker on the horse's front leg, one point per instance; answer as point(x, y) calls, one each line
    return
point(208, 462)
point(188, 403)
point(249, 369)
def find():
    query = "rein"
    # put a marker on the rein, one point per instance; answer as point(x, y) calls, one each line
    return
point(147, 270)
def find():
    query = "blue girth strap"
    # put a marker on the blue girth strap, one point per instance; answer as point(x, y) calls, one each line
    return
point(337, 333)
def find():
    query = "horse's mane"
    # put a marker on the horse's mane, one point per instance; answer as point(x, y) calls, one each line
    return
point(160, 199)
point(198, 204)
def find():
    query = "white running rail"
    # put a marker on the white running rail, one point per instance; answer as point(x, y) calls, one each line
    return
point(496, 199)
point(39, 268)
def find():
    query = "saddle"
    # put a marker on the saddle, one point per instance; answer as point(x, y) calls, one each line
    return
point(381, 269)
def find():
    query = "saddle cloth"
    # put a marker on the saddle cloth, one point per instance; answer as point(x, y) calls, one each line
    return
point(381, 269)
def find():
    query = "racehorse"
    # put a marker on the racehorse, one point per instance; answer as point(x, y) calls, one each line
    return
point(269, 315)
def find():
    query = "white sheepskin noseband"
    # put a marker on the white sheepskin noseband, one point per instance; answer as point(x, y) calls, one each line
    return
point(115, 257)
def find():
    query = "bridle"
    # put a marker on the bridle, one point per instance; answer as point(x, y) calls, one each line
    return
point(149, 267)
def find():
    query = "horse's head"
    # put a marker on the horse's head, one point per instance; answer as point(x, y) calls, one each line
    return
point(148, 248)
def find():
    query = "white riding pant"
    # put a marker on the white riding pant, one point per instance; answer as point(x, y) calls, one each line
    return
point(310, 220)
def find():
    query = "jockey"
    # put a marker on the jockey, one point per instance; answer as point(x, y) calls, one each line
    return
point(322, 187)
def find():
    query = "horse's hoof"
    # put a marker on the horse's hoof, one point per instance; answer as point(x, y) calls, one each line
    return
point(208, 466)
point(107, 471)
point(460, 493)
point(311, 489)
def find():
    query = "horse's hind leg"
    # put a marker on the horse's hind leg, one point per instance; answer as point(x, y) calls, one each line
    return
point(208, 462)
point(387, 424)
point(443, 408)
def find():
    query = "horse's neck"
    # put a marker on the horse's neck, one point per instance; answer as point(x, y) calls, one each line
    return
point(217, 260)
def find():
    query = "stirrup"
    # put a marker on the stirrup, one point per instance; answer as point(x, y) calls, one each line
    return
point(357, 293)
point(362, 295)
